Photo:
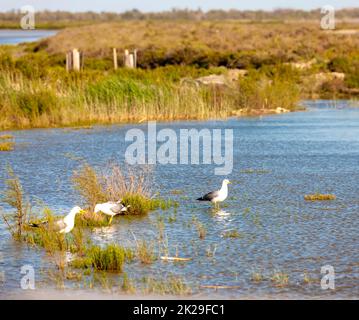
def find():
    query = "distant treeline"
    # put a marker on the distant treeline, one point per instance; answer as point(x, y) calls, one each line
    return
point(63, 18)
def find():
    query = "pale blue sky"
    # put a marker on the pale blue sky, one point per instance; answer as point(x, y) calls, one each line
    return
point(159, 5)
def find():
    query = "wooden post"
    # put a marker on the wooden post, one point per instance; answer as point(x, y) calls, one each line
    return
point(126, 59)
point(68, 61)
point(131, 60)
point(135, 58)
point(115, 58)
point(82, 59)
point(76, 59)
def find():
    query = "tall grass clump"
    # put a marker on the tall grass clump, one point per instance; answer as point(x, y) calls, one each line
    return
point(111, 258)
point(257, 91)
point(90, 186)
point(113, 184)
point(13, 196)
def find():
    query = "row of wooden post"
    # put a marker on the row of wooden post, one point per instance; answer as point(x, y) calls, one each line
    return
point(75, 59)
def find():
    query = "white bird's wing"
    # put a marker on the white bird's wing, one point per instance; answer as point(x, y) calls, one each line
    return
point(117, 208)
point(60, 224)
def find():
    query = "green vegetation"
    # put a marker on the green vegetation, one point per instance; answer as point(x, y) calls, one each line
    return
point(257, 277)
point(14, 197)
point(280, 279)
point(110, 258)
point(257, 67)
point(112, 184)
point(140, 204)
point(169, 286)
point(319, 197)
point(232, 234)
point(90, 263)
point(130, 95)
point(145, 252)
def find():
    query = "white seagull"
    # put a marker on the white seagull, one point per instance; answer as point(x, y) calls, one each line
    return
point(64, 225)
point(217, 196)
point(111, 208)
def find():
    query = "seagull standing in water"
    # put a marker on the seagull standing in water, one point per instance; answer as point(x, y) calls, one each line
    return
point(64, 225)
point(217, 196)
point(111, 208)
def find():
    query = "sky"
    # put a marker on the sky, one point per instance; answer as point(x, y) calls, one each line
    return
point(160, 5)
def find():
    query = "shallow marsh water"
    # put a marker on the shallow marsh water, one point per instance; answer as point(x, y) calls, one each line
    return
point(277, 160)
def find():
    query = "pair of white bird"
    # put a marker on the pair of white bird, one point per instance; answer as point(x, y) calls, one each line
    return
point(66, 224)
point(111, 208)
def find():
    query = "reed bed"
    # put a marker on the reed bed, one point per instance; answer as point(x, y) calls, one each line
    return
point(60, 99)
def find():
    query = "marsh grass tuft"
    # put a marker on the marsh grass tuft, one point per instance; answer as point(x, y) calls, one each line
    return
point(89, 185)
point(307, 279)
point(232, 234)
point(14, 197)
point(319, 197)
point(257, 277)
point(201, 229)
point(169, 286)
point(127, 284)
point(140, 204)
point(91, 219)
point(145, 252)
point(7, 146)
point(132, 186)
point(6, 137)
point(111, 258)
point(280, 279)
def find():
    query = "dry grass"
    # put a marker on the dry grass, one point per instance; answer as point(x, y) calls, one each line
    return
point(257, 277)
point(232, 234)
point(114, 183)
point(6, 137)
point(145, 252)
point(7, 146)
point(201, 229)
point(287, 39)
point(319, 197)
point(168, 286)
point(90, 186)
point(111, 184)
point(127, 284)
